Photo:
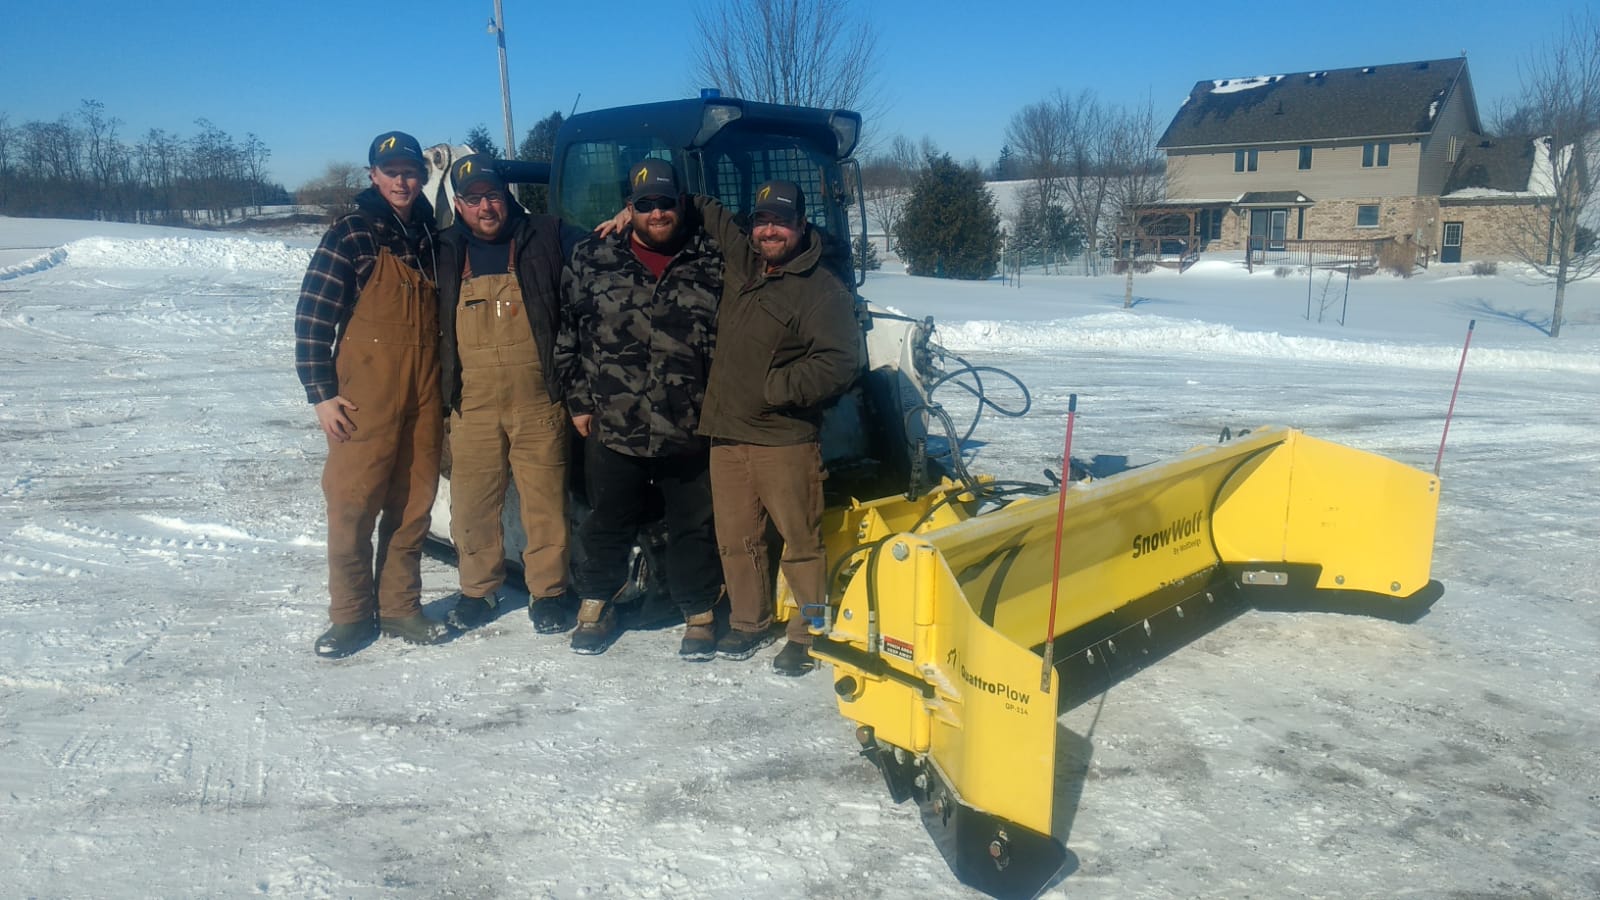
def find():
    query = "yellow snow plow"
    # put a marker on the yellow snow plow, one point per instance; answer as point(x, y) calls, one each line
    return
point(933, 640)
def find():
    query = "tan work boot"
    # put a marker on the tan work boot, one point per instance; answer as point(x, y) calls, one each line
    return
point(597, 627)
point(415, 629)
point(699, 637)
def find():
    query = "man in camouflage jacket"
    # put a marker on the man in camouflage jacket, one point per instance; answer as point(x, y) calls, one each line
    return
point(640, 317)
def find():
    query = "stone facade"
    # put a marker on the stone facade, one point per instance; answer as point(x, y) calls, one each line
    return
point(1491, 229)
point(1489, 225)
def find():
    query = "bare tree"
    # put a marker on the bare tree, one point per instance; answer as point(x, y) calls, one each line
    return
point(100, 143)
point(801, 52)
point(218, 170)
point(887, 179)
point(160, 157)
point(1561, 98)
point(253, 154)
point(1139, 180)
point(1062, 144)
point(8, 141)
point(1039, 134)
point(335, 189)
point(1091, 157)
point(50, 151)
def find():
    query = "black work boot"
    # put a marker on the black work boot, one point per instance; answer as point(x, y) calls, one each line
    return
point(470, 612)
point(417, 629)
point(597, 627)
point(738, 644)
point(699, 637)
point(342, 640)
point(549, 614)
point(794, 659)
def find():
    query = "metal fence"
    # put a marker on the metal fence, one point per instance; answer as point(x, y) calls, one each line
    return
point(1358, 256)
point(1016, 263)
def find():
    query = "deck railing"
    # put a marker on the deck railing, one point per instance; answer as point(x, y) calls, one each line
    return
point(1356, 255)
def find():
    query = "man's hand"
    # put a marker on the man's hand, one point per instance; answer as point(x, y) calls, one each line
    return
point(335, 423)
point(615, 223)
point(581, 424)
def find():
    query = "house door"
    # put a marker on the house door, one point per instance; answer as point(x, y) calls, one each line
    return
point(1451, 249)
point(1278, 230)
point(1268, 228)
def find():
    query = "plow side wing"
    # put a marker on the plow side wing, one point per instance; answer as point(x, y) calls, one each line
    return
point(931, 645)
point(1365, 521)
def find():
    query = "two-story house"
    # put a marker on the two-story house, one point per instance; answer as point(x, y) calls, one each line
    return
point(1343, 154)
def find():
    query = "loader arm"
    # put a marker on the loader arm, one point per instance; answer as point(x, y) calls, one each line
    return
point(932, 642)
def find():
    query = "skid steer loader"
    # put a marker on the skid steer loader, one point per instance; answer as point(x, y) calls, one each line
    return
point(959, 604)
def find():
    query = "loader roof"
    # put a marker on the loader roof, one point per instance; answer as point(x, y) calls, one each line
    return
point(693, 123)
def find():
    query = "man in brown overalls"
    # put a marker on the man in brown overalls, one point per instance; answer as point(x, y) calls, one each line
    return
point(499, 290)
point(366, 350)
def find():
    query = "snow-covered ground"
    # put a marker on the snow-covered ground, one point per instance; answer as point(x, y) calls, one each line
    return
point(165, 730)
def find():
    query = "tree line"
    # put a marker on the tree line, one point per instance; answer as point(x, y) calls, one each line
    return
point(80, 166)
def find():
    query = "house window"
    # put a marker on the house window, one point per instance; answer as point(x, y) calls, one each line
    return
point(1305, 158)
point(1244, 160)
point(1367, 216)
point(1375, 154)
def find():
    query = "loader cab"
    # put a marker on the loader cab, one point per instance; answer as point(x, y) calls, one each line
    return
point(723, 148)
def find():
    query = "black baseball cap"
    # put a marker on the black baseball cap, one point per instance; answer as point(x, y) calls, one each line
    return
point(782, 198)
point(395, 145)
point(473, 169)
point(652, 178)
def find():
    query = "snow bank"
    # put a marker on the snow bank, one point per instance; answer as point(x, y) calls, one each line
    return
point(1134, 332)
point(232, 254)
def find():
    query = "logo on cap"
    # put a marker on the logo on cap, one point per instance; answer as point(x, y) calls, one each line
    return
point(387, 145)
point(763, 194)
point(643, 174)
point(465, 169)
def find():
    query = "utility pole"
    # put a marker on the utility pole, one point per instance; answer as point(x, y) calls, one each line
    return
point(497, 27)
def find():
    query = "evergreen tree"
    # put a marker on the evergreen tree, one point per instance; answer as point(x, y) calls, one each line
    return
point(866, 255)
point(480, 141)
point(539, 146)
point(951, 229)
point(1006, 167)
point(1043, 231)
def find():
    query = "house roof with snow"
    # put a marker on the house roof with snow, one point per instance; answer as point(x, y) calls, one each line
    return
point(1503, 166)
point(1401, 99)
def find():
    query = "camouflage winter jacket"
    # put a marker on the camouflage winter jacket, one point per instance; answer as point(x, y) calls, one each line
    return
point(641, 348)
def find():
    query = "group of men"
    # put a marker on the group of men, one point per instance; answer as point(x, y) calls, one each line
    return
point(691, 357)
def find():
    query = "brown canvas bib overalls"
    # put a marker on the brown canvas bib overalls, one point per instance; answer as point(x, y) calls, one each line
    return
point(387, 473)
point(507, 425)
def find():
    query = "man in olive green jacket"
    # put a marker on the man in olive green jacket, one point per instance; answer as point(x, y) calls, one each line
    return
point(787, 342)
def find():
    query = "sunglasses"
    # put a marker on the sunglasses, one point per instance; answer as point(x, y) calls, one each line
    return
point(651, 204)
point(477, 199)
point(782, 221)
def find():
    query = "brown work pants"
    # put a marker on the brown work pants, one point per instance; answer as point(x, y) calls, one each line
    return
point(507, 427)
point(750, 487)
point(386, 474)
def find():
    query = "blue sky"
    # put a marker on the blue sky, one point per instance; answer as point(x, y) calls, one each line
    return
point(316, 80)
